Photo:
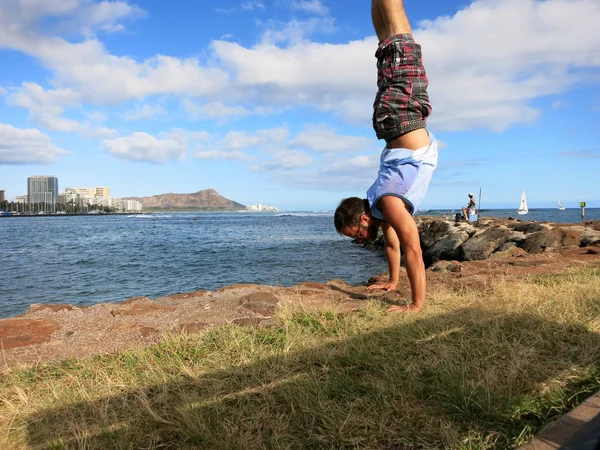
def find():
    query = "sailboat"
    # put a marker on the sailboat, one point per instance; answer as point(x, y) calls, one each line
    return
point(560, 206)
point(523, 209)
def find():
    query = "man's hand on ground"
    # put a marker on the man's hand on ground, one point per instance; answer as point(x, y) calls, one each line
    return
point(387, 286)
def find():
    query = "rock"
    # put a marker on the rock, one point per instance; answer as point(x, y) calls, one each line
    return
point(507, 252)
point(135, 300)
point(509, 244)
point(517, 237)
point(145, 331)
point(551, 239)
point(434, 230)
point(233, 287)
point(527, 227)
point(22, 332)
point(185, 295)
point(593, 224)
point(431, 231)
point(313, 285)
point(51, 307)
point(571, 238)
point(482, 245)
point(138, 309)
point(590, 237)
point(447, 248)
point(261, 303)
point(446, 266)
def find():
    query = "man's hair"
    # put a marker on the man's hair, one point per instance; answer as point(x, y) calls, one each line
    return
point(349, 211)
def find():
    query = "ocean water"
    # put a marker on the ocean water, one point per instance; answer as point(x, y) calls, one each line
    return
point(84, 260)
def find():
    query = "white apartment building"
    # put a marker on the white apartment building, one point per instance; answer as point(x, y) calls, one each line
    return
point(131, 206)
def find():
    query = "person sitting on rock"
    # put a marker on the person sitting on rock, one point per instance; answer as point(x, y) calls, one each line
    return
point(469, 210)
point(407, 161)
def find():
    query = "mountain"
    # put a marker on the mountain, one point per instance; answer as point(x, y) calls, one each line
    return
point(208, 200)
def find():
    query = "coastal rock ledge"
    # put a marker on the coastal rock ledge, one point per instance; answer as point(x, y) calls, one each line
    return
point(459, 256)
point(443, 239)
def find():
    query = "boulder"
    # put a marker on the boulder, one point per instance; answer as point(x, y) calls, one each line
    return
point(527, 227)
point(589, 238)
point(446, 266)
point(432, 230)
point(551, 239)
point(261, 303)
point(507, 252)
point(448, 247)
point(482, 245)
point(517, 237)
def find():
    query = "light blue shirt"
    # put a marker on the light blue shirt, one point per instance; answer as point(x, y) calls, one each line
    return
point(404, 174)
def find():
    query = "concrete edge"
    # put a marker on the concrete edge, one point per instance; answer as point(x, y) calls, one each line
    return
point(577, 430)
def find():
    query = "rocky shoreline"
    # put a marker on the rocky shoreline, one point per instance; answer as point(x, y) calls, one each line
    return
point(457, 255)
point(446, 240)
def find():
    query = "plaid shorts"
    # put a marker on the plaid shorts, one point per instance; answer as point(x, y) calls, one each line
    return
point(402, 104)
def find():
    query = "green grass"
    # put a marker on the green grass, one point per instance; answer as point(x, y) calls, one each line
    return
point(473, 371)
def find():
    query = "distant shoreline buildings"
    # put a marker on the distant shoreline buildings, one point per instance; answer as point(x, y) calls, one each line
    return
point(43, 197)
point(261, 208)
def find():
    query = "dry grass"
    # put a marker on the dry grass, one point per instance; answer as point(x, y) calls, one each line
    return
point(473, 371)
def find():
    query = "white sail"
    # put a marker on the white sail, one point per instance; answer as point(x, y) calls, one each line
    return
point(560, 206)
point(523, 209)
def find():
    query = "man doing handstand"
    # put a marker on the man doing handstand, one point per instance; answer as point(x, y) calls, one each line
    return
point(407, 161)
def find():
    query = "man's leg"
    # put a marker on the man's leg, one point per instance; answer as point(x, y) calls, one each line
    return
point(389, 18)
point(399, 105)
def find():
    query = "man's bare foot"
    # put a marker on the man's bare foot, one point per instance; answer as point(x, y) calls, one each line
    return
point(402, 308)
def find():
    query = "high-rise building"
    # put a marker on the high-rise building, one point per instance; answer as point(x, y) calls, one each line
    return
point(42, 189)
point(100, 191)
point(1, 196)
point(103, 191)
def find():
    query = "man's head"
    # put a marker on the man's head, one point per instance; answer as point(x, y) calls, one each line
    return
point(470, 195)
point(352, 218)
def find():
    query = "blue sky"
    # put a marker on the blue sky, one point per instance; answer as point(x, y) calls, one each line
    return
point(270, 101)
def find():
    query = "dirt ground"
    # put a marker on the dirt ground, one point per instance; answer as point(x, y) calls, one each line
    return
point(53, 332)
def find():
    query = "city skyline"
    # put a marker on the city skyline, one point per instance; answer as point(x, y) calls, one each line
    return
point(270, 102)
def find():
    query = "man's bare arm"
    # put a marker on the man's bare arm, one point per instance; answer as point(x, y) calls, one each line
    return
point(397, 216)
point(392, 254)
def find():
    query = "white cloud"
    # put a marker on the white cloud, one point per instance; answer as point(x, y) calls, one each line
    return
point(97, 116)
point(285, 160)
point(486, 64)
point(322, 139)
point(310, 6)
point(26, 146)
point(253, 4)
point(46, 107)
point(34, 9)
point(213, 110)
point(99, 132)
point(490, 59)
point(264, 139)
point(234, 155)
point(145, 112)
point(84, 17)
point(297, 31)
point(140, 146)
